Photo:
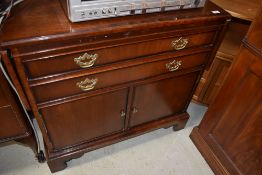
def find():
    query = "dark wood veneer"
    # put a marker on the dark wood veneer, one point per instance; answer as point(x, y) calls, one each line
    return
point(131, 69)
point(144, 106)
point(229, 136)
point(146, 70)
point(41, 66)
point(87, 119)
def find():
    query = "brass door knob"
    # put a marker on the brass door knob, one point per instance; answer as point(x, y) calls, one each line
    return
point(134, 110)
point(122, 113)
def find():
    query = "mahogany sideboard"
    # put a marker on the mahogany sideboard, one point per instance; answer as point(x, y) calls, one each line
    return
point(230, 134)
point(95, 83)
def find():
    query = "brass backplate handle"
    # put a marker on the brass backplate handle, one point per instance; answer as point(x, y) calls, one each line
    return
point(86, 60)
point(179, 43)
point(87, 84)
point(174, 65)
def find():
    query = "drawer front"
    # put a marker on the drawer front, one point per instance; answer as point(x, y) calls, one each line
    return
point(92, 58)
point(11, 126)
point(69, 87)
point(79, 121)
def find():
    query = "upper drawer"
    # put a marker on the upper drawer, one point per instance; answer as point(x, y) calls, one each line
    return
point(83, 59)
point(72, 86)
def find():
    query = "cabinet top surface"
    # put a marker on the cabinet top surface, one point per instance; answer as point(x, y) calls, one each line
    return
point(34, 20)
point(243, 9)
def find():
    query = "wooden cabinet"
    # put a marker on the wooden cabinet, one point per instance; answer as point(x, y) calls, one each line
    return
point(13, 122)
point(212, 80)
point(229, 137)
point(99, 82)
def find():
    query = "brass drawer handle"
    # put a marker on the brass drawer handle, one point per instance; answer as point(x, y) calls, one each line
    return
point(179, 43)
point(86, 60)
point(174, 65)
point(87, 84)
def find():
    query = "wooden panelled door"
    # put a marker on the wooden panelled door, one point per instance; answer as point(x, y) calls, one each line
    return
point(171, 95)
point(86, 119)
point(230, 135)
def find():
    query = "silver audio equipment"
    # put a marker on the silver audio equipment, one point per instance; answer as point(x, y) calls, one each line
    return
point(83, 10)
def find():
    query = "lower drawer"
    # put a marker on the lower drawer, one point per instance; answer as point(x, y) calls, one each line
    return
point(73, 86)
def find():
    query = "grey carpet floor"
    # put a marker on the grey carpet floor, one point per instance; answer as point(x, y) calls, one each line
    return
point(162, 152)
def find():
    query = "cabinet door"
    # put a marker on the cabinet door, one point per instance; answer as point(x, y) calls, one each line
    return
point(82, 120)
point(161, 98)
point(232, 125)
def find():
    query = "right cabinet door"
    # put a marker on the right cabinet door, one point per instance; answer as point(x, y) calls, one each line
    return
point(161, 98)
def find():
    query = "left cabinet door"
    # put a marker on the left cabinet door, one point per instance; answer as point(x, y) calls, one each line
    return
point(78, 121)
